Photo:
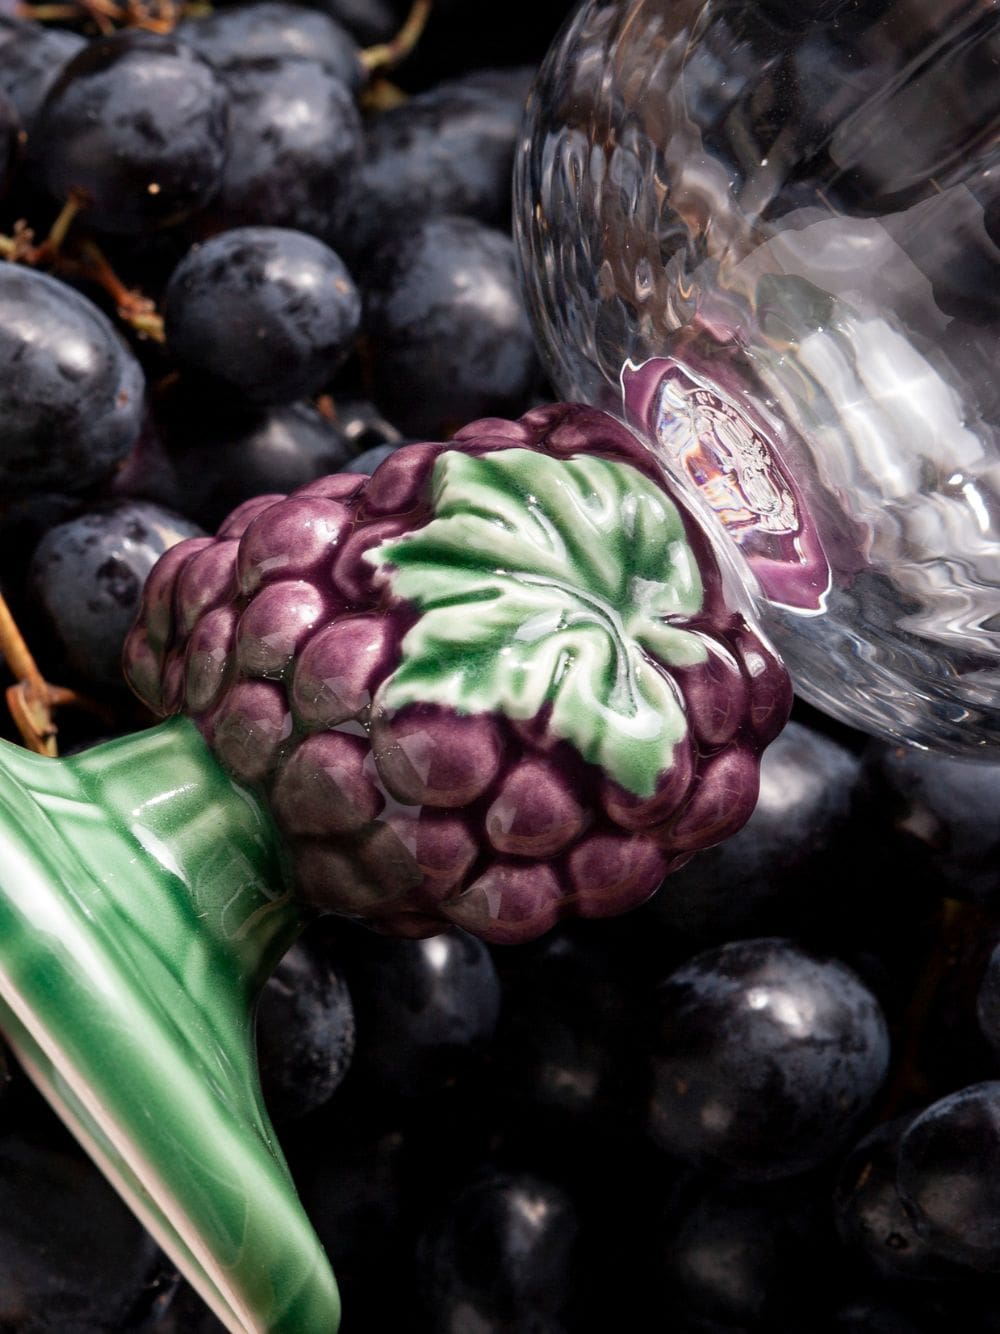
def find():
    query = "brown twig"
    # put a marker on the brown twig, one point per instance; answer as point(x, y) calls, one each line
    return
point(84, 259)
point(107, 15)
point(49, 250)
point(382, 95)
point(136, 309)
point(31, 699)
point(387, 54)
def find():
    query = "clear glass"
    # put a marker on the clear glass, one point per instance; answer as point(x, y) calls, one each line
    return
point(767, 235)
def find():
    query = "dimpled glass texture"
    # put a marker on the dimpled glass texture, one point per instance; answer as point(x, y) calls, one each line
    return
point(766, 235)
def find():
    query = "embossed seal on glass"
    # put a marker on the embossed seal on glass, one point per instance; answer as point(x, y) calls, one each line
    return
point(802, 212)
point(736, 469)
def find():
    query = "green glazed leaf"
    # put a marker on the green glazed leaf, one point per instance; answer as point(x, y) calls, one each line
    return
point(546, 581)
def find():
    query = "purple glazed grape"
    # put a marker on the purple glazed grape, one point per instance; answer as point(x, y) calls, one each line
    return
point(338, 670)
point(462, 687)
point(276, 624)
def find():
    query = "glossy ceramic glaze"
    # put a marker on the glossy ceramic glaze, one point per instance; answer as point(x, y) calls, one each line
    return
point(142, 904)
point(503, 681)
point(766, 235)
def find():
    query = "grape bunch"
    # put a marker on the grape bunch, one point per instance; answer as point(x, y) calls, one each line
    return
point(460, 708)
point(766, 1100)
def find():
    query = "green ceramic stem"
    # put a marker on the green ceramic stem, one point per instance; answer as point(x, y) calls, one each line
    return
point(142, 904)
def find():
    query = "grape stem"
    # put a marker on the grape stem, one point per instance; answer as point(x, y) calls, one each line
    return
point(136, 309)
point(86, 260)
point(107, 15)
point(31, 699)
point(20, 248)
point(382, 95)
point(387, 54)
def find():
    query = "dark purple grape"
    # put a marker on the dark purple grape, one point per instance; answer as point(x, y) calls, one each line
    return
point(31, 59)
point(970, 1307)
point(354, 1185)
point(425, 1009)
point(947, 1176)
point(503, 1255)
point(872, 1219)
point(449, 333)
point(739, 1258)
point(449, 149)
point(87, 575)
point(763, 1059)
point(883, 1312)
point(265, 313)
point(137, 124)
point(294, 138)
point(370, 21)
point(205, 461)
point(568, 1037)
point(71, 408)
point(939, 817)
point(274, 28)
point(305, 1033)
point(72, 1255)
point(794, 843)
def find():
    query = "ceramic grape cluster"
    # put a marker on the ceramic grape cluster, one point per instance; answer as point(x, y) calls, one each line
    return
point(495, 684)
